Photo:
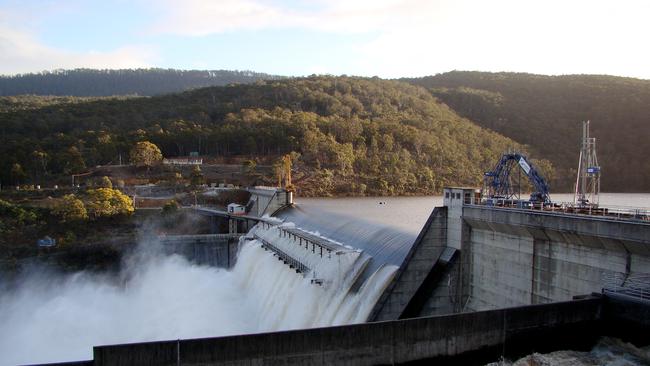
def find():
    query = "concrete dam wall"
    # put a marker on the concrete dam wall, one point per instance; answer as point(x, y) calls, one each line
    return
point(217, 250)
point(517, 257)
point(472, 257)
point(468, 338)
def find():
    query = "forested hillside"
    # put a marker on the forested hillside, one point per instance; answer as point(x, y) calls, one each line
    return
point(23, 102)
point(545, 112)
point(354, 135)
point(146, 82)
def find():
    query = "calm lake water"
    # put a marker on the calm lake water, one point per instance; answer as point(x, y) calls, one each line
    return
point(410, 213)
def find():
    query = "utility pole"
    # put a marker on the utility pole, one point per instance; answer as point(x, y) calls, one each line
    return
point(587, 188)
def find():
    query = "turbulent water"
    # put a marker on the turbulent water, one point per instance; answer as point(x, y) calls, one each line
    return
point(49, 317)
point(608, 351)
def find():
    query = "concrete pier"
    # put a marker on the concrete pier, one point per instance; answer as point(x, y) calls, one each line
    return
point(416, 268)
point(268, 200)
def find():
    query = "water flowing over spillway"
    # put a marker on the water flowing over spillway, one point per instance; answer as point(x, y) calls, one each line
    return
point(288, 300)
point(55, 317)
point(383, 244)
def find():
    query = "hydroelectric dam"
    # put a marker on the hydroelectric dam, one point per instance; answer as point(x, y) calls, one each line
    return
point(478, 282)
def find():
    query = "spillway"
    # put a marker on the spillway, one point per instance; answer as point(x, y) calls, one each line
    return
point(288, 300)
point(339, 279)
point(339, 282)
point(383, 245)
point(157, 296)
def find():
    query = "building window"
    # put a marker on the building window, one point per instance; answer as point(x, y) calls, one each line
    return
point(446, 194)
point(457, 195)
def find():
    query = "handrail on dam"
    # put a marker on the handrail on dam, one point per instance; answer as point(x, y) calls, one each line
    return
point(215, 212)
point(292, 262)
point(319, 245)
point(197, 237)
point(607, 214)
point(309, 239)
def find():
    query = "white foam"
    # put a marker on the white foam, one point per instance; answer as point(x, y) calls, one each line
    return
point(60, 318)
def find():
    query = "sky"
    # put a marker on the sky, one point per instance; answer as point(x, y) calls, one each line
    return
point(385, 38)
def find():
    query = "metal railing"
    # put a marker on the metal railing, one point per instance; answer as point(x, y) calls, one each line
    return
point(266, 188)
point(613, 212)
point(286, 258)
point(636, 285)
point(196, 237)
point(319, 246)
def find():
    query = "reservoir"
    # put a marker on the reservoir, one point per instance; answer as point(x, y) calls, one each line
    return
point(410, 213)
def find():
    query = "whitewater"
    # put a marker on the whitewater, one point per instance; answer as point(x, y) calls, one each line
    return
point(53, 317)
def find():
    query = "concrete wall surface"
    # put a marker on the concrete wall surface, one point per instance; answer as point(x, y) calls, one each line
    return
point(419, 261)
point(521, 257)
point(268, 201)
point(218, 250)
point(373, 343)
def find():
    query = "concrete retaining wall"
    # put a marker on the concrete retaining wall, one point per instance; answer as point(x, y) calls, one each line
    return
point(487, 335)
point(520, 257)
point(219, 250)
point(444, 298)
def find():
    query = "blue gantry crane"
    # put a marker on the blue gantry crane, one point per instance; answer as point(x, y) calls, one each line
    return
point(501, 182)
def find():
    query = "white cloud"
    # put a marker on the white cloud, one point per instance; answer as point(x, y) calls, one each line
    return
point(403, 37)
point(203, 17)
point(21, 52)
point(554, 37)
point(199, 18)
point(420, 37)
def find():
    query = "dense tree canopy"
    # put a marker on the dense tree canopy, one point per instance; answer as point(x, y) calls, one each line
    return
point(70, 209)
point(106, 202)
point(14, 221)
point(545, 112)
point(145, 153)
point(353, 135)
point(104, 182)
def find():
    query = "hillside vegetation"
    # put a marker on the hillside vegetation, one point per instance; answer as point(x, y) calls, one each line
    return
point(353, 135)
point(22, 102)
point(146, 82)
point(545, 113)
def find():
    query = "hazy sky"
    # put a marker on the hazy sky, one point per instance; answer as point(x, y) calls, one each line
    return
point(388, 38)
